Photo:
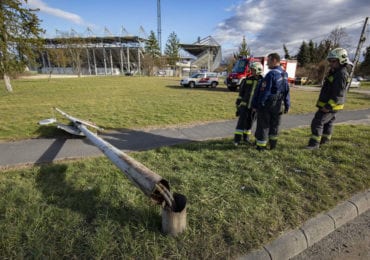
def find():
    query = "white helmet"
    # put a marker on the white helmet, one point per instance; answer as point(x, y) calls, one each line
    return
point(257, 66)
point(340, 54)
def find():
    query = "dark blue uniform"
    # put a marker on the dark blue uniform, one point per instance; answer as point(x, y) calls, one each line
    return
point(268, 100)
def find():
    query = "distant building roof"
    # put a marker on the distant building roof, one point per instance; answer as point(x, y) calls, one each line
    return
point(200, 46)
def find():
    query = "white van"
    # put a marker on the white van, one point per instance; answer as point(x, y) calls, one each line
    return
point(208, 79)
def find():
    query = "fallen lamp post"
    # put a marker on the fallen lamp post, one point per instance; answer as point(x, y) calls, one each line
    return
point(152, 184)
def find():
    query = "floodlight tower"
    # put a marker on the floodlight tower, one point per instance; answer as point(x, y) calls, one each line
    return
point(159, 30)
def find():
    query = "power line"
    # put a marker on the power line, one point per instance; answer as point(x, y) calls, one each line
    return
point(295, 46)
point(325, 34)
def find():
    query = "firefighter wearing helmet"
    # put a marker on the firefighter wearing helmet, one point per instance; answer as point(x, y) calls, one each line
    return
point(268, 101)
point(331, 99)
point(243, 103)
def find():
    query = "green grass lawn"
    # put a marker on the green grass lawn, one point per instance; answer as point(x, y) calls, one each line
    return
point(365, 85)
point(125, 102)
point(238, 199)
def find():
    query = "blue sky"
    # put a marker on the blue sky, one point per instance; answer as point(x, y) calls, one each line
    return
point(266, 24)
point(189, 19)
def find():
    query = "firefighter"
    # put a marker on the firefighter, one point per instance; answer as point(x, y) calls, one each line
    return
point(268, 100)
point(331, 98)
point(247, 116)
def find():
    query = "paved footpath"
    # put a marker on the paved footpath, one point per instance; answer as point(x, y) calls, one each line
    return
point(288, 245)
point(42, 150)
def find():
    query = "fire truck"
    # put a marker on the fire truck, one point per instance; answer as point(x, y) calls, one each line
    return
point(241, 70)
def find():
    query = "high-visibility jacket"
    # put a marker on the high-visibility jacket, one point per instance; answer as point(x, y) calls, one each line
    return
point(333, 92)
point(247, 90)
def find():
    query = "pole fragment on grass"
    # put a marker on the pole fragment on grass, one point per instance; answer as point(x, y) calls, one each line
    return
point(149, 182)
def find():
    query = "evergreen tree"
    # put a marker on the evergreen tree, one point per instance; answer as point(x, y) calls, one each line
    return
point(172, 49)
point(311, 51)
point(365, 65)
point(303, 55)
point(286, 56)
point(322, 50)
point(19, 38)
point(152, 46)
point(152, 56)
point(244, 49)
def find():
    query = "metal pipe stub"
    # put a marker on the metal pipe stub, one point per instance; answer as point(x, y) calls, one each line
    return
point(174, 218)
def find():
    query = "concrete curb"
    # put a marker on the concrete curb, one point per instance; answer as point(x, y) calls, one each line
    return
point(312, 231)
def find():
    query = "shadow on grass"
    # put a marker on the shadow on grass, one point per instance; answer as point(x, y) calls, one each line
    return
point(217, 89)
point(212, 145)
point(51, 181)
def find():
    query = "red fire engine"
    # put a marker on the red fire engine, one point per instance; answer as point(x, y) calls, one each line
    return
point(241, 70)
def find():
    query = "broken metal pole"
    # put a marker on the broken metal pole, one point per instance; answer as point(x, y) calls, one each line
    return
point(149, 182)
point(152, 184)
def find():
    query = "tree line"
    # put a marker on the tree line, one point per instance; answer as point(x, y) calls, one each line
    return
point(311, 56)
point(21, 44)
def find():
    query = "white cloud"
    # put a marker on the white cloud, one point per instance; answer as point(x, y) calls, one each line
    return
point(268, 24)
point(74, 18)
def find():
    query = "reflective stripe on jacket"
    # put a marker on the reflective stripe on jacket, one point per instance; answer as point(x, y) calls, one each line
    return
point(248, 89)
point(333, 92)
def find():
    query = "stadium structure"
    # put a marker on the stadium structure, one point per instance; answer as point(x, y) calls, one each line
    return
point(120, 55)
point(204, 54)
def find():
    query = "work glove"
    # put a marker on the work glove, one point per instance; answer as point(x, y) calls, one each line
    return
point(242, 104)
point(239, 107)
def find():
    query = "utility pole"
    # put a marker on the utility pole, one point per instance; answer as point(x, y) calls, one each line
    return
point(357, 55)
point(159, 29)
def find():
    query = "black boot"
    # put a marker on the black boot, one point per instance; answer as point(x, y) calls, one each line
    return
point(324, 140)
point(237, 139)
point(313, 144)
point(273, 144)
point(247, 138)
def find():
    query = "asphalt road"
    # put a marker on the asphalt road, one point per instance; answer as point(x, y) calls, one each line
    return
point(349, 242)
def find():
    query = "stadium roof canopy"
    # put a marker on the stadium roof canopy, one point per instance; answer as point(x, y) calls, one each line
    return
point(200, 46)
point(108, 40)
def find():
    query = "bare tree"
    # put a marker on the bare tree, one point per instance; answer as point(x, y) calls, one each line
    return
point(339, 38)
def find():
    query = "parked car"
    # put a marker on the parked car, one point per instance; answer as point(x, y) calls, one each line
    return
point(207, 79)
point(300, 80)
point(355, 83)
